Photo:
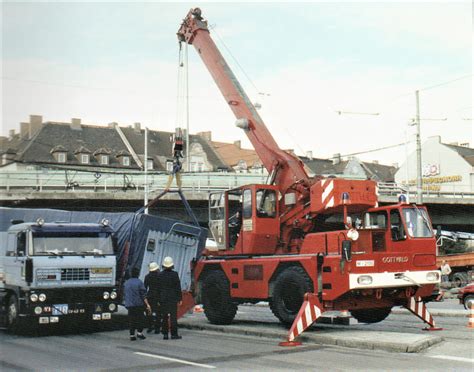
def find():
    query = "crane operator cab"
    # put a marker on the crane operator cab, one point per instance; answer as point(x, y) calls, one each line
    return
point(245, 220)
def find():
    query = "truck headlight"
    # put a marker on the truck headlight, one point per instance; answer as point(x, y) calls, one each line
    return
point(364, 279)
point(38, 310)
point(432, 276)
point(112, 307)
point(113, 295)
point(33, 297)
point(42, 297)
point(106, 295)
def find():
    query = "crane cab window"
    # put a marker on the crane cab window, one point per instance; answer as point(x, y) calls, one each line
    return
point(397, 230)
point(247, 204)
point(375, 220)
point(21, 244)
point(266, 203)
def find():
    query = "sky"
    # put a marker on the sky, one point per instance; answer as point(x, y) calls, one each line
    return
point(302, 62)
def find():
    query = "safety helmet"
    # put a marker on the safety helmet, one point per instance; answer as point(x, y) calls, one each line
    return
point(153, 266)
point(168, 262)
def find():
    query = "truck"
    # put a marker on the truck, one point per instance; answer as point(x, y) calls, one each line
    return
point(306, 245)
point(62, 266)
point(55, 272)
point(457, 249)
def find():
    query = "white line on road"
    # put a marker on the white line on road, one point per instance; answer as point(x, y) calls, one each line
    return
point(175, 360)
point(448, 357)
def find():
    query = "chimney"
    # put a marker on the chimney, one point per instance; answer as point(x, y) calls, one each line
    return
point(76, 124)
point(25, 130)
point(336, 159)
point(238, 144)
point(375, 161)
point(112, 125)
point(395, 165)
point(309, 155)
point(36, 122)
point(206, 135)
point(11, 133)
point(137, 127)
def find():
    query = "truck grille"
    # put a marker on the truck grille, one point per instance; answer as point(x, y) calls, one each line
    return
point(75, 274)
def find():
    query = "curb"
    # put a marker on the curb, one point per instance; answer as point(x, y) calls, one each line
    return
point(322, 335)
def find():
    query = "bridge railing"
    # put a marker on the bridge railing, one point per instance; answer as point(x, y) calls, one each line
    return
point(48, 180)
point(60, 180)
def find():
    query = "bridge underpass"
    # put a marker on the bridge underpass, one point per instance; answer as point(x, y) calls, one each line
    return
point(455, 214)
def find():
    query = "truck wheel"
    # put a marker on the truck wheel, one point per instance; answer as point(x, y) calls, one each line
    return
point(371, 315)
point(460, 280)
point(288, 293)
point(13, 321)
point(469, 302)
point(218, 305)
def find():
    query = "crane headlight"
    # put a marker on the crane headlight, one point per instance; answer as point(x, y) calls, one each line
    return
point(364, 279)
point(40, 222)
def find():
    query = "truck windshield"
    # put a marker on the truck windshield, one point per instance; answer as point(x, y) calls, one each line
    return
point(417, 223)
point(54, 244)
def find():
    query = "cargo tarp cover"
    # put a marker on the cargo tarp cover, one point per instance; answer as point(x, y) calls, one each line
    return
point(128, 226)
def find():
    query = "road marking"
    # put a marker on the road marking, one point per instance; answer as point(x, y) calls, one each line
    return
point(458, 359)
point(175, 360)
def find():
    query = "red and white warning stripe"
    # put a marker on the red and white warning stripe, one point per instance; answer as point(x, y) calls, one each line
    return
point(327, 197)
point(309, 312)
point(418, 307)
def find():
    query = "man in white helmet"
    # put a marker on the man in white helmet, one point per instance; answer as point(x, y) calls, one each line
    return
point(169, 295)
point(151, 285)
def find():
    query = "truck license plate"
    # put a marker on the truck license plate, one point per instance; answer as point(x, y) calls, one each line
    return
point(60, 309)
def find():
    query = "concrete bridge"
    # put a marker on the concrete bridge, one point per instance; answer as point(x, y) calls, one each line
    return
point(75, 190)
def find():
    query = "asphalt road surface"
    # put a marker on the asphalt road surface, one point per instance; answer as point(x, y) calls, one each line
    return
point(202, 350)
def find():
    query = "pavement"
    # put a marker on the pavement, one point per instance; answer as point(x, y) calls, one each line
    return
point(321, 334)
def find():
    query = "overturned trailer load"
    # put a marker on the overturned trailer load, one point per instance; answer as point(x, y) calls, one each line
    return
point(140, 239)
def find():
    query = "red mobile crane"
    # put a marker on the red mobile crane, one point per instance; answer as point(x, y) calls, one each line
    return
point(307, 245)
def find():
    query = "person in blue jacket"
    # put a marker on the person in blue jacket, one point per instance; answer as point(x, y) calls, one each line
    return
point(135, 302)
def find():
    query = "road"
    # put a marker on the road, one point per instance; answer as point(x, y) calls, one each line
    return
point(202, 350)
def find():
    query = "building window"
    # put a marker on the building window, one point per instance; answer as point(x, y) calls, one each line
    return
point(104, 159)
point(61, 157)
point(126, 161)
point(149, 164)
point(84, 158)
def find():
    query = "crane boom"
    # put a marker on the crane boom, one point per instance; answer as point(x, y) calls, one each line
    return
point(288, 170)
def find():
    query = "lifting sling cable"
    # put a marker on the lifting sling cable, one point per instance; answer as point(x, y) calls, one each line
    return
point(177, 138)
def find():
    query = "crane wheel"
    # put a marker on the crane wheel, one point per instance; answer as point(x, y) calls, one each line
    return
point(371, 315)
point(218, 305)
point(288, 293)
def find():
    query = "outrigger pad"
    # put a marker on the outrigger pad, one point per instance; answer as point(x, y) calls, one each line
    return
point(417, 307)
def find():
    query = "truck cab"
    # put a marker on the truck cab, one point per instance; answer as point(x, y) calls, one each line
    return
point(52, 272)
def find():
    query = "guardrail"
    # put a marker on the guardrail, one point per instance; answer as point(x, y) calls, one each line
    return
point(48, 180)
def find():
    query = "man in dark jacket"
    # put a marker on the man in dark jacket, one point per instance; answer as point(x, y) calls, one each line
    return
point(135, 301)
point(169, 295)
point(151, 285)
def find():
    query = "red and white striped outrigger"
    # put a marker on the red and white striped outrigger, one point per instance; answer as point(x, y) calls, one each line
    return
point(312, 310)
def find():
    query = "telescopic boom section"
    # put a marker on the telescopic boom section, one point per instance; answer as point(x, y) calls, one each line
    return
point(288, 170)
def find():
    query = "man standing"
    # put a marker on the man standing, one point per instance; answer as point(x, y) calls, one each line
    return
point(169, 295)
point(445, 271)
point(135, 301)
point(151, 285)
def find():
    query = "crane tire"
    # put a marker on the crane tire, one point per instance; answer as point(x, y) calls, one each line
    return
point(371, 315)
point(217, 302)
point(289, 289)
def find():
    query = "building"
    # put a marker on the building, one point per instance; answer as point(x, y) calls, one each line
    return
point(446, 168)
point(79, 146)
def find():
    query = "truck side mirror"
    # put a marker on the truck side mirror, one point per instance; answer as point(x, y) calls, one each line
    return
point(347, 250)
point(438, 231)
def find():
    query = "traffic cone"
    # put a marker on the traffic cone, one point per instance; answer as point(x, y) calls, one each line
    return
point(198, 309)
point(470, 322)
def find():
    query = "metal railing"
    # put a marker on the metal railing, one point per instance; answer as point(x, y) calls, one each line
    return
point(48, 180)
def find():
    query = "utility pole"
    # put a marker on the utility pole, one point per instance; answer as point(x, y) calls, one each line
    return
point(419, 175)
point(145, 169)
point(188, 165)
